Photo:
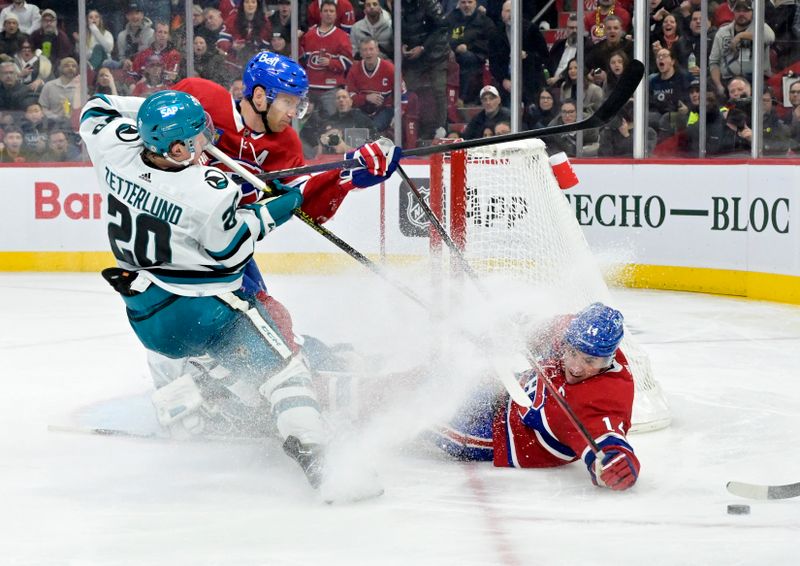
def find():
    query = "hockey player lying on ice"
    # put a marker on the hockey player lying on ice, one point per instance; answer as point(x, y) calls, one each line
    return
point(582, 359)
point(585, 364)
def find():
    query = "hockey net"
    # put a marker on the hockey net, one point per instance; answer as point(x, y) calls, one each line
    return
point(511, 220)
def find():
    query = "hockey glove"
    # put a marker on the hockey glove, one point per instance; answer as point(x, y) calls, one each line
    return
point(378, 161)
point(618, 470)
point(281, 206)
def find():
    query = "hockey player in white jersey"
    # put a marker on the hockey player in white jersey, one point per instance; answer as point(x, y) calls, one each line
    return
point(181, 240)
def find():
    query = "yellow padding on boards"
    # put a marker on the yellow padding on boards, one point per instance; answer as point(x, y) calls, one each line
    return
point(763, 286)
point(753, 285)
point(298, 263)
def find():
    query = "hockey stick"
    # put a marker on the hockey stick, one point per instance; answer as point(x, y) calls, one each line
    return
point(611, 106)
point(755, 491)
point(164, 436)
point(505, 377)
point(511, 385)
point(316, 226)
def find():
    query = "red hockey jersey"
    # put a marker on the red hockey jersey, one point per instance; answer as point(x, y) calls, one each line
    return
point(361, 82)
point(334, 45)
point(345, 15)
point(322, 194)
point(542, 436)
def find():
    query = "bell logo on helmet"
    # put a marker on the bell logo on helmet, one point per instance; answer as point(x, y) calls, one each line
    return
point(268, 58)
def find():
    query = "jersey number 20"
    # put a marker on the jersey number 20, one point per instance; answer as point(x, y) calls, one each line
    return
point(146, 227)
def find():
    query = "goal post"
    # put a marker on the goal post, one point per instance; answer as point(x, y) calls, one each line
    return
point(509, 218)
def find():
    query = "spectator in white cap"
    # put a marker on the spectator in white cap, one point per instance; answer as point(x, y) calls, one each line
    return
point(11, 37)
point(27, 15)
point(491, 114)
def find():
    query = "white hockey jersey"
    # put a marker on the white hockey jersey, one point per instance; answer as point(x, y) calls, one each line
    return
point(182, 230)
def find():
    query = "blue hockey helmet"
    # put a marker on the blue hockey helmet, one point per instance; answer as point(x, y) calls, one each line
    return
point(597, 330)
point(169, 116)
point(276, 74)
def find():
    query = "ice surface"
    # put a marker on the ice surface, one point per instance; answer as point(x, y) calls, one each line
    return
point(728, 366)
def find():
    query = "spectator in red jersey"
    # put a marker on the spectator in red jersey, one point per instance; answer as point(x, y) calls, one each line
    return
point(345, 14)
point(250, 31)
point(163, 48)
point(371, 84)
point(152, 79)
point(326, 54)
point(594, 21)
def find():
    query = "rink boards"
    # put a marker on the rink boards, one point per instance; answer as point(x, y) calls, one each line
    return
point(727, 227)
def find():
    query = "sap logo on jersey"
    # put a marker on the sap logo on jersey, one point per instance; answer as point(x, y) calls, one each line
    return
point(167, 111)
point(127, 133)
point(216, 179)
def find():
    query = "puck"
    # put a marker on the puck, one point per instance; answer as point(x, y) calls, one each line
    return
point(738, 509)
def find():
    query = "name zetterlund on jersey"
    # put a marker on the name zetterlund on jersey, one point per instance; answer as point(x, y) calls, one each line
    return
point(142, 199)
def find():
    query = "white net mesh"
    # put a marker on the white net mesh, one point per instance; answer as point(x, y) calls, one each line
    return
point(520, 227)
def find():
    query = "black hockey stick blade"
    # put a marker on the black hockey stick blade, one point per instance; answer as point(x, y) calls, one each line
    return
point(626, 86)
point(755, 491)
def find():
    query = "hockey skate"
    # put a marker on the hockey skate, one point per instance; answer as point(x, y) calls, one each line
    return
point(310, 457)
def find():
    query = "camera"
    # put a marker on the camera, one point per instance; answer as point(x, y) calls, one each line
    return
point(737, 119)
point(333, 139)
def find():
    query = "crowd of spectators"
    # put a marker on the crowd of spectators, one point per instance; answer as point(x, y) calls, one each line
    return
point(456, 68)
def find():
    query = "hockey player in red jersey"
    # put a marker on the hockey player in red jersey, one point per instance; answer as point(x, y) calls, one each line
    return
point(257, 132)
point(327, 55)
point(587, 367)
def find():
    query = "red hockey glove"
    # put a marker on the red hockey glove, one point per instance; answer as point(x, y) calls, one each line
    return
point(618, 470)
point(378, 161)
